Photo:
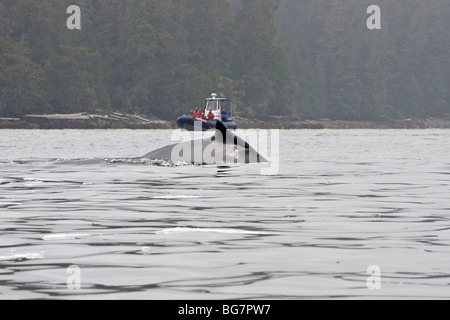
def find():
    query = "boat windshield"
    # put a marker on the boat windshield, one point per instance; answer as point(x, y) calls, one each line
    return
point(221, 107)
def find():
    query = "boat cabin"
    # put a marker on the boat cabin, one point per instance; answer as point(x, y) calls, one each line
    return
point(221, 108)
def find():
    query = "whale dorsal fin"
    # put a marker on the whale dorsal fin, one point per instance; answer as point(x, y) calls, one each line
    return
point(229, 137)
point(220, 127)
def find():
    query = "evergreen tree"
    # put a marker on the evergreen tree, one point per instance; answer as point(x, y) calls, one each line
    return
point(315, 58)
point(345, 71)
point(20, 91)
point(260, 62)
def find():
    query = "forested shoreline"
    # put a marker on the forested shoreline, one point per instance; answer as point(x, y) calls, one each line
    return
point(311, 59)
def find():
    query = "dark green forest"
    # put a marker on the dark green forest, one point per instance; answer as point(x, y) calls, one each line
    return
point(308, 58)
point(345, 71)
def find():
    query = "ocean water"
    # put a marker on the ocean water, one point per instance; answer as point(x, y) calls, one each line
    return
point(350, 214)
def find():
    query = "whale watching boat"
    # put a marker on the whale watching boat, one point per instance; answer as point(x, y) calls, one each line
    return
point(216, 109)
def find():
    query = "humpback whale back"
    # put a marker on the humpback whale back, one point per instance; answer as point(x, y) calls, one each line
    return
point(223, 147)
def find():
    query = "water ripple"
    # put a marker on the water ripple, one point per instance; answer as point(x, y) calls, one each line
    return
point(342, 201)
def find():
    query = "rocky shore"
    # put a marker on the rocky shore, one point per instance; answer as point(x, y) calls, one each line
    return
point(84, 120)
point(117, 120)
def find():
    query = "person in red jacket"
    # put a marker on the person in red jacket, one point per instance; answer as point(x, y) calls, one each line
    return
point(197, 113)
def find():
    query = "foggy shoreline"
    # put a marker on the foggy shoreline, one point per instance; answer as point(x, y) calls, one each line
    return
point(128, 121)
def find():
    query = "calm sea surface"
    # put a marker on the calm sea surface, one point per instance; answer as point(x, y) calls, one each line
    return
point(80, 220)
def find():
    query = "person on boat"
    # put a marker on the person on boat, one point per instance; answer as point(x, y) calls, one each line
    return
point(224, 114)
point(198, 113)
point(211, 116)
